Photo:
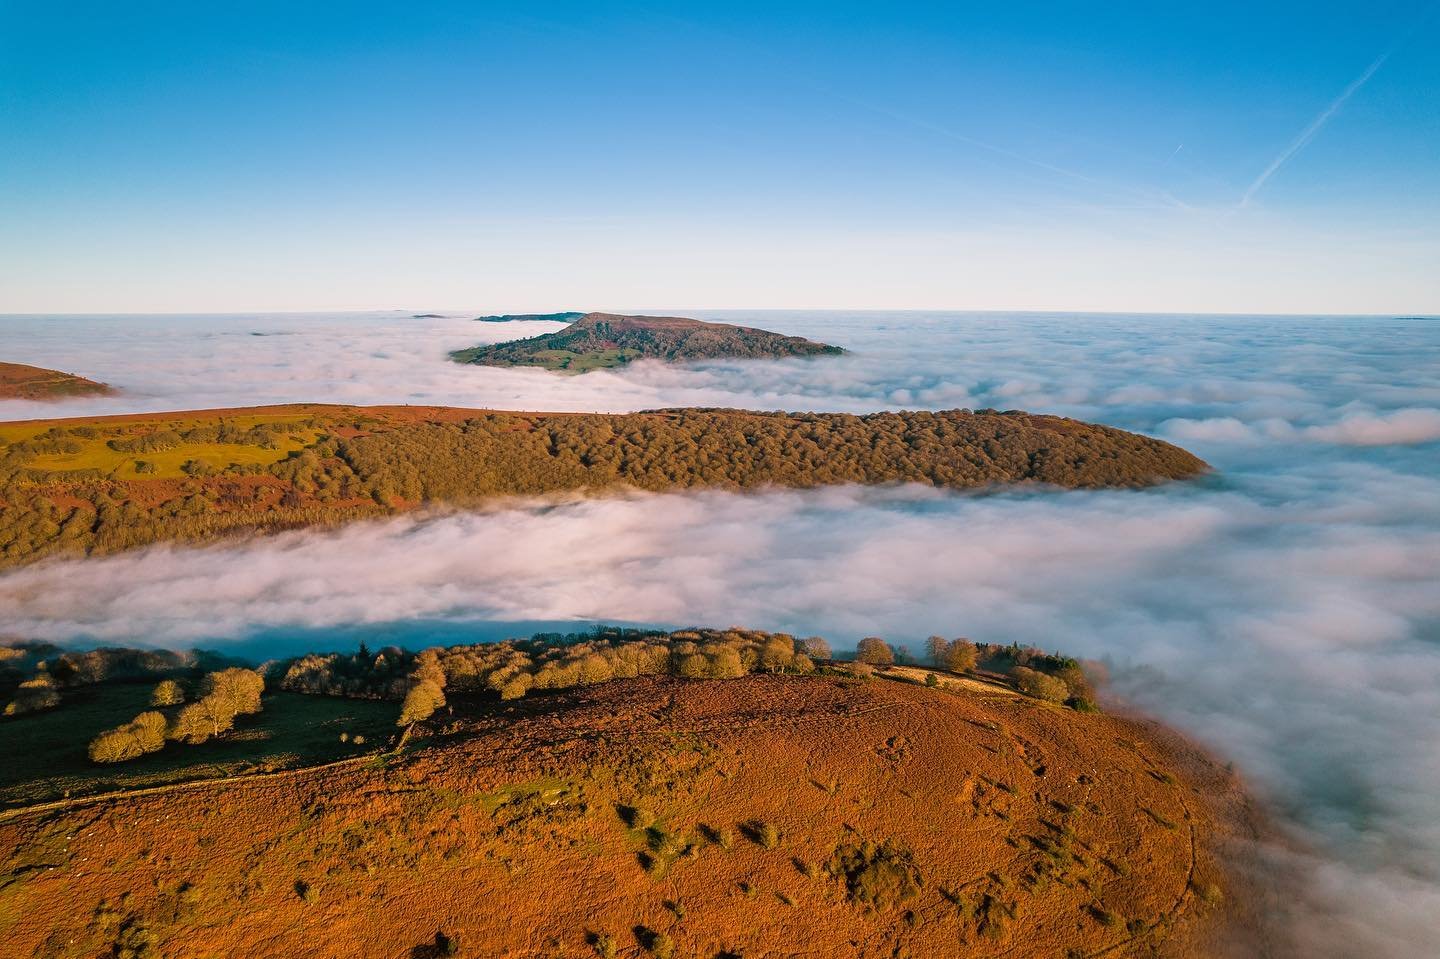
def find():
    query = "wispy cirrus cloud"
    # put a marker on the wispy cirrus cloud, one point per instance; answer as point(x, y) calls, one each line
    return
point(1311, 131)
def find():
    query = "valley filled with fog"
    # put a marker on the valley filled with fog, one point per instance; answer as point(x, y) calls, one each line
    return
point(1283, 611)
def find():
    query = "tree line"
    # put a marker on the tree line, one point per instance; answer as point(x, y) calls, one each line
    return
point(200, 695)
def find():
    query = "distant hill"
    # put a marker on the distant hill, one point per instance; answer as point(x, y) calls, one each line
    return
point(20, 382)
point(530, 317)
point(102, 484)
point(601, 340)
point(649, 817)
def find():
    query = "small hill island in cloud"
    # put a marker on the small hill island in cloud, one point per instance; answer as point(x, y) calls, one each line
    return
point(597, 341)
point(21, 382)
point(568, 317)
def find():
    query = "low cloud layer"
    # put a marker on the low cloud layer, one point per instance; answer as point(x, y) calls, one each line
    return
point(1283, 611)
point(1240, 380)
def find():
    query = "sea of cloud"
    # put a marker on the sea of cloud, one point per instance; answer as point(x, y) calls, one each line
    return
point(1285, 611)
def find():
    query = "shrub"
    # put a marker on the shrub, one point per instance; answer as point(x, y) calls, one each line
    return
point(935, 647)
point(167, 693)
point(517, 687)
point(876, 876)
point(763, 834)
point(227, 693)
point(636, 817)
point(421, 702)
point(960, 656)
point(657, 943)
point(777, 653)
point(693, 666)
point(143, 734)
point(1034, 683)
point(875, 651)
point(816, 647)
point(33, 696)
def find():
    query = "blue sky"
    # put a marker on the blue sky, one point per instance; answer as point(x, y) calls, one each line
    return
point(1049, 156)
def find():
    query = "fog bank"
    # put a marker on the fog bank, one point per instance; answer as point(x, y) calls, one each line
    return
point(1284, 611)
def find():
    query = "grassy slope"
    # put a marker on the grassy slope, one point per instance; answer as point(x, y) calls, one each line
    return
point(95, 454)
point(1031, 831)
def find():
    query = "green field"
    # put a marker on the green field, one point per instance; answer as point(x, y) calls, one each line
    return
point(95, 452)
point(45, 753)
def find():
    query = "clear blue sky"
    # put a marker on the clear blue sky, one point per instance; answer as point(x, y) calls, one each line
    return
point(158, 156)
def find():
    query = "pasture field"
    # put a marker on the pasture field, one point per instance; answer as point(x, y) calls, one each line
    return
point(45, 756)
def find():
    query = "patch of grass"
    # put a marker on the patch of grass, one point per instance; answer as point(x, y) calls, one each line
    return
point(724, 838)
point(45, 753)
point(1118, 866)
point(876, 876)
point(657, 943)
point(96, 453)
point(807, 868)
point(636, 817)
point(995, 916)
point(1104, 916)
point(1208, 893)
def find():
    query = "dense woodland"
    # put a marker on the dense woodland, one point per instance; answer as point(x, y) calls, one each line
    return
point(202, 477)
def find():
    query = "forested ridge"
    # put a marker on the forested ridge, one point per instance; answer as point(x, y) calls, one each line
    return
point(107, 484)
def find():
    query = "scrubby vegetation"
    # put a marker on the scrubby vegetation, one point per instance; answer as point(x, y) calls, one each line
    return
point(143, 734)
point(36, 676)
point(111, 484)
point(225, 695)
point(752, 816)
point(876, 876)
point(599, 340)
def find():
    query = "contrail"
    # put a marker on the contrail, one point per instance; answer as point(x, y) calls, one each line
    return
point(1309, 133)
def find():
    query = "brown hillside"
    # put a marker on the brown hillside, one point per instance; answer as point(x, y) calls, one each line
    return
point(20, 382)
point(763, 816)
point(105, 484)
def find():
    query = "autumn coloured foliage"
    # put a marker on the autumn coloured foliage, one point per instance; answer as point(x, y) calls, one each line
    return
point(112, 484)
